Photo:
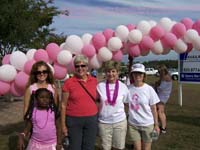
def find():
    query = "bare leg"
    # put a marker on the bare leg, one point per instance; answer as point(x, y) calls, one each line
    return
point(161, 114)
point(137, 145)
point(146, 146)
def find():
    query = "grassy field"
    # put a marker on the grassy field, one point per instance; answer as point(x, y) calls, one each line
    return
point(183, 126)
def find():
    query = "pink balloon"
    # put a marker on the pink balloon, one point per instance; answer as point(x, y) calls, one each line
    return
point(179, 30)
point(16, 91)
point(117, 55)
point(28, 65)
point(168, 40)
point(88, 50)
point(53, 49)
point(59, 71)
point(4, 87)
point(6, 59)
point(98, 40)
point(187, 22)
point(156, 32)
point(41, 54)
point(196, 26)
point(134, 51)
point(21, 80)
point(146, 43)
point(108, 33)
point(131, 26)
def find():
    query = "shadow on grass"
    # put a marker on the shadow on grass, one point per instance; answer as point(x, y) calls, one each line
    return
point(9, 129)
point(195, 121)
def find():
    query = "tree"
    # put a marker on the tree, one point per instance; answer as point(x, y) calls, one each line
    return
point(25, 24)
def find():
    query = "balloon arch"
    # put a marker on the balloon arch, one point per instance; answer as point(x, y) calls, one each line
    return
point(135, 40)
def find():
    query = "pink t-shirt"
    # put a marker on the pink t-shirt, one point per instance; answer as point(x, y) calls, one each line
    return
point(34, 87)
point(44, 128)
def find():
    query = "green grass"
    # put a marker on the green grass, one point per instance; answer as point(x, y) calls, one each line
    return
point(183, 123)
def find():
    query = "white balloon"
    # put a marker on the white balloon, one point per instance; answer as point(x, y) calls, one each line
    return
point(114, 43)
point(144, 27)
point(7, 73)
point(18, 59)
point(94, 62)
point(196, 43)
point(74, 43)
point(62, 46)
point(122, 32)
point(180, 46)
point(64, 57)
point(51, 67)
point(166, 23)
point(30, 54)
point(104, 54)
point(157, 48)
point(152, 23)
point(135, 36)
point(86, 38)
point(190, 35)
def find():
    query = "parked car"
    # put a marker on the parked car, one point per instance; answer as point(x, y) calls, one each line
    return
point(174, 75)
point(151, 71)
point(173, 72)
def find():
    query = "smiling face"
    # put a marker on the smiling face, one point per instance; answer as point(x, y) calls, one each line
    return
point(81, 69)
point(112, 75)
point(138, 78)
point(41, 73)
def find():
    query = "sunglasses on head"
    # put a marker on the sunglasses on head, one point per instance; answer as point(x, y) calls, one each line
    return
point(41, 72)
point(78, 66)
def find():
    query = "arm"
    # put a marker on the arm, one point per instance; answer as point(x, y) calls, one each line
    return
point(58, 133)
point(155, 117)
point(64, 100)
point(26, 100)
point(24, 134)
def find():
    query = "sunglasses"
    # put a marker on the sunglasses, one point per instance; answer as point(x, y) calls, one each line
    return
point(41, 72)
point(78, 66)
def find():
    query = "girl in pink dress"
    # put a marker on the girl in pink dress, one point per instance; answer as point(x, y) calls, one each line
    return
point(41, 122)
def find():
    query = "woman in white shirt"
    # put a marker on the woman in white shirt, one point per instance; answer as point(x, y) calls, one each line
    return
point(163, 88)
point(112, 118)
point(143, 118)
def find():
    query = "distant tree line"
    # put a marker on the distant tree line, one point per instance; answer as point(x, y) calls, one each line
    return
point(155, 64)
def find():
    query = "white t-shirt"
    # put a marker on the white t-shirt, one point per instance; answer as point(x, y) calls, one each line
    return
point(140, 105)
point(108, 113)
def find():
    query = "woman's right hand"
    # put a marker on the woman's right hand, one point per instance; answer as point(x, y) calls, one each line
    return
point(64, 130)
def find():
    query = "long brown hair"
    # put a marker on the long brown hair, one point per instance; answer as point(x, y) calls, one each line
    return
point(33, 76)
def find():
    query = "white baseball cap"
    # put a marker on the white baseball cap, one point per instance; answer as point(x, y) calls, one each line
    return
point(138, 68)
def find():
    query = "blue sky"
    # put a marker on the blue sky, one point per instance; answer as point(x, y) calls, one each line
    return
point(91, 16)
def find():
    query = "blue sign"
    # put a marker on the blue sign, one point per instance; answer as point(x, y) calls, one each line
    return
point(189, 67)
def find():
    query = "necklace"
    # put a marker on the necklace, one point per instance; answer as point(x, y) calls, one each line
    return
point(115, 94)
point(41, 127)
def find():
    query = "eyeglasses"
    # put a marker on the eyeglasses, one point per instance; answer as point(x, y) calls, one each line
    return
point(78, 66)
point(42, 72)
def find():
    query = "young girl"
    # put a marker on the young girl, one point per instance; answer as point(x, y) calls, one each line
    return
point(41, 122)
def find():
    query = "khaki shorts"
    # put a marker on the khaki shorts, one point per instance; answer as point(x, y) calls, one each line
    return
point(113, 135)
point(138, 133)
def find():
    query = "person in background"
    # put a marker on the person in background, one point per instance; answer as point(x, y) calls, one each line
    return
point(112, 118)
point(41, 76)
point(42, 121)
point(163, 87)
point(78, 107)
point(143, 118)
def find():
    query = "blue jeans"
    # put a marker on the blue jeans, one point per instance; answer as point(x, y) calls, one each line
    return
point(82, 132)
